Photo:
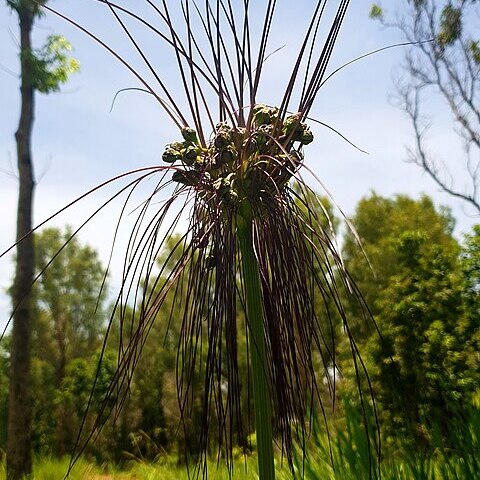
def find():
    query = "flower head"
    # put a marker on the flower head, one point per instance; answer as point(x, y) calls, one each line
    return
point(240, 163)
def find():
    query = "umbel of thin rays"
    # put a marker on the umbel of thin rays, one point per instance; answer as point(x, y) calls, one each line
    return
point(231, 170)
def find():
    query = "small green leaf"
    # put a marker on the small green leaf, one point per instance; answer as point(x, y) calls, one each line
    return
point(376, 12)
point(475, 51)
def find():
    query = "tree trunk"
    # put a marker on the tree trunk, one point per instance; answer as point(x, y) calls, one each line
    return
point(19, 456)
point(61, 420)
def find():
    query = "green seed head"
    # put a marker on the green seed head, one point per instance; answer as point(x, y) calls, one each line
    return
point(264, 134)
point(228, 155)
point(307, 135)
point(189, 135)
point(291, 124)
point(171, 154)
point(238, 135)
point(223, 135)
point(186, 177)
point(221, 141)
point(262, 115)
point(239, 163)
point(189, 156)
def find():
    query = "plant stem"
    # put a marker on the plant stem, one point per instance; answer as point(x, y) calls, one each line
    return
point(254, 307)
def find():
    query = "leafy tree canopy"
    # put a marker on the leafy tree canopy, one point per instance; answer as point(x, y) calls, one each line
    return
point(422, 288)
point(69, 294)
point(379, 223)
point(51, 66)
point(23, 7)
point(425, 367)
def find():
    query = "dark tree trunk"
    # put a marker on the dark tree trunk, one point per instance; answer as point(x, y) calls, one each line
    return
point(19, 456)
point(61, 420)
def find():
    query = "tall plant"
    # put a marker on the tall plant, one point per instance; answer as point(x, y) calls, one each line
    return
point(252, 240)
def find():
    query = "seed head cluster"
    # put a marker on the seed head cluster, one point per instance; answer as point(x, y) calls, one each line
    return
point(240, 162)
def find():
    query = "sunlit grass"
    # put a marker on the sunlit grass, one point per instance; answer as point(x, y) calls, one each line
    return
point(348, 466)
point(167, 469)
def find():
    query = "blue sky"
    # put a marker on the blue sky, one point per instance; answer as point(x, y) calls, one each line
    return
point(79, 143)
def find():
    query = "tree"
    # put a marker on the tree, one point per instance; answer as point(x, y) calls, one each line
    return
point(69, 311)
point(471, 269)
point(379, 222)
point(423, 365)
point(424, 371)
point(69, 297)
point(4, 368)
point(68, 303)
point(470, 265)
point(41, 70)
point(75, 394)
point(445, 60)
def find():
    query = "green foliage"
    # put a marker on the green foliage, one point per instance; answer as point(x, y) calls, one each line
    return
point(51, 66)
point(166, 468)
point(74, 390)
point(31, 7)
point(421, 367)
point(344, 456)
point(424, 367)
point(69, 296)
point(68, 329)
point(379, 222)
point(376, 11)
point(475, 51)
point(460, 463)
point(471, 266)
point(450, 25)
point(73, 396)
point(44, 392)
point(425, 297)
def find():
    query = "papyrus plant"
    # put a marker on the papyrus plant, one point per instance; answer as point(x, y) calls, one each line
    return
point(252, 242)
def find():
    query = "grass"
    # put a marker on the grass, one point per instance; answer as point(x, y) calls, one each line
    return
point(349, 450)
point(167, 469)
point(348, 466)
point(459, 459)
point(416, 467)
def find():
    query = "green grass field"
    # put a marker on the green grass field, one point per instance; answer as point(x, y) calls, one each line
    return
point(53, 469)
point(349, 465)
point(345, 458)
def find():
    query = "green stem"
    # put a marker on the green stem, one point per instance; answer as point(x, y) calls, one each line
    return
point(261, 395)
